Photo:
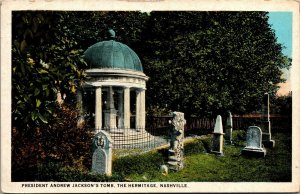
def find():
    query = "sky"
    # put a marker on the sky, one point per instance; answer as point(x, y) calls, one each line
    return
point(281, 22)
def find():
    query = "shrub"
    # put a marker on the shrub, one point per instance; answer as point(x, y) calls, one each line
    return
point(197, 132)
point(238, 137)
point(199, 145)
point(136, 164)
point(61, 142)
point(207, 143)
point(28, 173)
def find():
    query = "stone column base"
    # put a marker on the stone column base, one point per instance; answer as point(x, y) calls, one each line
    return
point(228, 142)
point(255, 152)
point(269, 143)
point(174, 163)
point(266, 136)
point(217, 153)
point(110, 119)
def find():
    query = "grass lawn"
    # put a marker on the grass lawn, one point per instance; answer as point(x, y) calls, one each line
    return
point(232, 167)
point(199, 166)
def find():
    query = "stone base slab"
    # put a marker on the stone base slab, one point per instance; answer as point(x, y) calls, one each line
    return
point(256, 152)
point(266, 136)
point(228, 142)
point(217, 153)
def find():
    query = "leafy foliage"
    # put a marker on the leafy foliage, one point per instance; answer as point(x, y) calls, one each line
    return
point(88, 28)
point(239, 137)
point(200, 145)
point(282, 105)
point(198, 62)
point(47, 48)
point(47, 56)
point(137, 164)
point(209, 62)
point(45, 61)
point(62, 143)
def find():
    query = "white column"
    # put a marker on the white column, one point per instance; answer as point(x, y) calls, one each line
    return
point(111, 98)
point(110, 114)
point(265, 115)
point(79, 107)
point(138, 110)
point(98, 109)
point(126, 107)
point(142, 109)
point(120, 110)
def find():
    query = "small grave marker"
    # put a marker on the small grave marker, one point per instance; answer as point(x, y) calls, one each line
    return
point(254, 142)
point(228, 129)
point(102, 153)
point(218, 139)
point(266, 123)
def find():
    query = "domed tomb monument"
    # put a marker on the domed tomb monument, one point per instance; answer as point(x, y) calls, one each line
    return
point(113, 95)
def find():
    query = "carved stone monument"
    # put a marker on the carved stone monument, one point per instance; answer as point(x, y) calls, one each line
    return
point(265, 123)
point(218, 139)
point(254, 142)
point(228, 129)
point(175, 157)
point(102, 153)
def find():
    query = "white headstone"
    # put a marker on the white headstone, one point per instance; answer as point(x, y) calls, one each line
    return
point(218, 126)
point(218, 139)
point(265, 116)
point(254, 142)
point(102, 153)
point(265, 124)
point(254, 137)
point(228, 128)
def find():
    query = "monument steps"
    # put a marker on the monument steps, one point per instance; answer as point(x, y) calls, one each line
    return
point(173, 158)
point(172, 163)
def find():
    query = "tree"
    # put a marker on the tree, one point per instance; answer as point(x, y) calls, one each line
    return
point(88, 28)
point(45, 61)
point(198, 62)
point(282, 105)
point(209, 62)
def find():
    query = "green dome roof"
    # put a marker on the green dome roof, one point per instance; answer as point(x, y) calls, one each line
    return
point(112, 54)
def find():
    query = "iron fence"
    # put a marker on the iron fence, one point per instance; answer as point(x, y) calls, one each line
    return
point(279, 123)
point(204, 125)
point(157, 130)
point(138, 138)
